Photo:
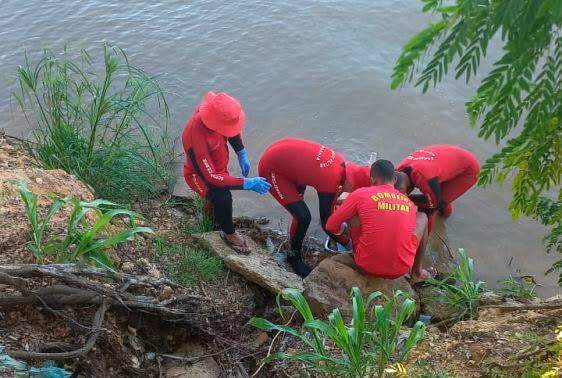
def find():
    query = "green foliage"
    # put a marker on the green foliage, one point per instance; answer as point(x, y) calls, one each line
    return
point(370, 340)
point(205, 220)
point(84, 240)
point(188, 265)
point(518, 288)
point(521, 93)
point(101, 125)
point(461, 290)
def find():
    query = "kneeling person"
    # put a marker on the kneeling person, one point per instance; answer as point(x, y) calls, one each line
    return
point(389, 235)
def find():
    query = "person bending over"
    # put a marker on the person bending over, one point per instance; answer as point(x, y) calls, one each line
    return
point(218, 118)
point(442, 173)
point(290, 165)
point(389, 235)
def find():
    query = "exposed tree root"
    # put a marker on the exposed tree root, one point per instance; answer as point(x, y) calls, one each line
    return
point(96, 329)
point(57, 286)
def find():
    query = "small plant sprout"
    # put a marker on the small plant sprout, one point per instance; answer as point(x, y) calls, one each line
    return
point(364, 347)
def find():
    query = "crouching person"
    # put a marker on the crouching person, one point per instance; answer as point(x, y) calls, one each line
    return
point(389, 235)
point(218, 119)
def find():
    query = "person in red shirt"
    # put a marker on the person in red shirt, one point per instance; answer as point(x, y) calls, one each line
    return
point(442, 173)
point(389, 235)
point(218, 119)
point(290, 165)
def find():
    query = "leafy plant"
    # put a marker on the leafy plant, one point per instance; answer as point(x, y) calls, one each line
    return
point(87, 236)
point(108, 127)
point(189, 265)
point(520, 94)
point(461, 290)
point(521, 289)
point(369, 340)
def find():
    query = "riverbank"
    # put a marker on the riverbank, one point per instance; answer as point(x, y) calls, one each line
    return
point(157, 327)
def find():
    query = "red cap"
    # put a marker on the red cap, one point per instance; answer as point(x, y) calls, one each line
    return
point(222, 113)
point(359, 176)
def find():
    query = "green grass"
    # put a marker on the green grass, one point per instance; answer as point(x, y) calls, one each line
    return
point(522, 289)
point(105, 122)
point(188, 265)
point(204, 221)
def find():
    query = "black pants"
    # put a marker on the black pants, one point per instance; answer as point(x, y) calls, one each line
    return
point(221, 199)
point(302, 218)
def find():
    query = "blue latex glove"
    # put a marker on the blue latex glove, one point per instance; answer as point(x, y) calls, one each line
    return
point(244, 162)
point(257, 184)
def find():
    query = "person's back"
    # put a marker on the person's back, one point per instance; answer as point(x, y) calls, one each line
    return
point(389, 234)
point(442, 161)
point(305, 163)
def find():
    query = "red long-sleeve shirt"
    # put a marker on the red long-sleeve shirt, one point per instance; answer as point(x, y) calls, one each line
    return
point(385, 243)
point(439, 163)
point(207, 154)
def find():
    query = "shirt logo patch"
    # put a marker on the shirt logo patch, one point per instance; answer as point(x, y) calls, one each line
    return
point(422, 155)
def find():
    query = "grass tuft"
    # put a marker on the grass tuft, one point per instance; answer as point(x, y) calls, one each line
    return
point(106, 123)
point(188, 265)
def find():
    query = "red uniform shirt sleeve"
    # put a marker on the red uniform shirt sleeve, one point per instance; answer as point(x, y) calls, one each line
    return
point(204, 165)
point(343, 213)
point(421, 182)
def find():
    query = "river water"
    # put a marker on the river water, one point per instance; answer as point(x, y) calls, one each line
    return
point(311, 69)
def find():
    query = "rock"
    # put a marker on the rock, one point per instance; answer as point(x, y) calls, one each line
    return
point(433, 304)
point(489, 298)
point(166, 293)
point(330, 283)
point(554, 299)
point(128, 267)
point(258, 267)
point(205, 368)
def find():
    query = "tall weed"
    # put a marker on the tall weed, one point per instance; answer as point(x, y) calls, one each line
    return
point(365, 346)
point(105, 123)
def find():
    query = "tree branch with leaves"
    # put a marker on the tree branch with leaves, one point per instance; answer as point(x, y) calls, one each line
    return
point(519, 102)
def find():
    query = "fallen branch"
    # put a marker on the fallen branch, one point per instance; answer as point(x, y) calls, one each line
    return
point(541, 306)
point(96, 329)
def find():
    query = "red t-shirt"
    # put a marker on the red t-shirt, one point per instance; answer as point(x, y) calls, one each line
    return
point(443, 162)
point(385, 244)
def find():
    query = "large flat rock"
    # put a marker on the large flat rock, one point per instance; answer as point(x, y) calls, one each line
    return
point(330, 283)
point(258, 267)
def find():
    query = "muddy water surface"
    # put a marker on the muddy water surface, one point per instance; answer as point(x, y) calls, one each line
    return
point(309, 69)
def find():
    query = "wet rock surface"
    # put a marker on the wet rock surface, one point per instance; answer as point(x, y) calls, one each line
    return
point(329, 285)
point(258, 267)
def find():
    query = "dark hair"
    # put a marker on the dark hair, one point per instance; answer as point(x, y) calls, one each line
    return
point(383, 169)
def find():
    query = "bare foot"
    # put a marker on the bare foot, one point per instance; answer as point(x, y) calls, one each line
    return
point(420, 276)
